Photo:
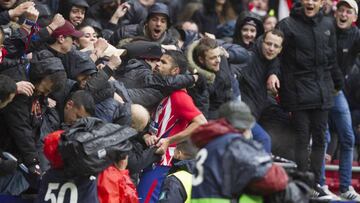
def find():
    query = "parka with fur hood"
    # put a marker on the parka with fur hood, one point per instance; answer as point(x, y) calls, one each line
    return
point(216, 88)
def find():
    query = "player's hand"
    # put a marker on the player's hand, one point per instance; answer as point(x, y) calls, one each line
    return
point(150, 140)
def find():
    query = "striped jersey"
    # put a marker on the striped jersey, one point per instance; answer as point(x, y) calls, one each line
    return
point(173, 115)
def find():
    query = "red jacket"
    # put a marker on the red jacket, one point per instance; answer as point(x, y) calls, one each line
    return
point(115, 186)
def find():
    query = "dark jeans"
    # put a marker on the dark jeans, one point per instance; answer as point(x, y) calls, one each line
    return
point(260, 135)
point(307, 124)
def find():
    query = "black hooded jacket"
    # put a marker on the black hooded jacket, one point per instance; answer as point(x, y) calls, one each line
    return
point(138, 30)
point(253, 79)
point(138, 74)
point(348, 48)
point(23, 119)
point(308, 57)
point(240, 22)
point(147, 88)
point(66, 6)
point(76, 62)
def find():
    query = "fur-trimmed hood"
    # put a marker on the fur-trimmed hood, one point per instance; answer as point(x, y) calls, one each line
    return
point(194, 68)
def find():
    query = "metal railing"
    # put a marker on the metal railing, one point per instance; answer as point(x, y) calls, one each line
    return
point(336, 168)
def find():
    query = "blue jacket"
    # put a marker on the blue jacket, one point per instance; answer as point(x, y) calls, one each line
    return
point(228, 164)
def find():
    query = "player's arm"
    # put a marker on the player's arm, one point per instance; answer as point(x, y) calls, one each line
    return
point(183, 135)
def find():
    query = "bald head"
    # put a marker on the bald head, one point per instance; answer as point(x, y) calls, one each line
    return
point(139, 117)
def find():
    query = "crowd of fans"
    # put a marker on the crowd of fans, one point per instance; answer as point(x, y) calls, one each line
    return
point(178, 101)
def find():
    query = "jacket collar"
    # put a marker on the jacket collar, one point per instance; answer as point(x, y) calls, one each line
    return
point(345, 31)
point(53, 51)
point(210, 131)
point(187, 165)
point(298, 12)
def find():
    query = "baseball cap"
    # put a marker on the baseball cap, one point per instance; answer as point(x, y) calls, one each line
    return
point(238, 114)
point(159, 8)
point(351, 3)
point(80, 3)
point(66, 30)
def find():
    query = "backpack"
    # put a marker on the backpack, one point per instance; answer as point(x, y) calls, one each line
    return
point(91, 145)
